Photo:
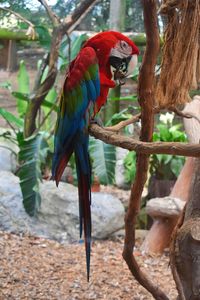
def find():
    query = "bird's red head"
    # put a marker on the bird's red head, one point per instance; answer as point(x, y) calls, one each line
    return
point(117, 54)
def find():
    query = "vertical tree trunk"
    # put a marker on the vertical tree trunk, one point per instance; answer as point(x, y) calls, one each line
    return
point(117, 17)
point(185, 250)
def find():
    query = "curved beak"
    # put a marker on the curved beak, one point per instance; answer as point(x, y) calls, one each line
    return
point(131, 66)
point(120, 74)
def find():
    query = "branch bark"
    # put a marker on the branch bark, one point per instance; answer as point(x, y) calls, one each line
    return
point(174, 148)
point(59, 31)
point(146, 100)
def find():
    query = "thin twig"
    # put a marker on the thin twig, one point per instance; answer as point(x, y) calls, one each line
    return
point(183, 114)
point(54, 18)
point(122, 124)
point(18, 16)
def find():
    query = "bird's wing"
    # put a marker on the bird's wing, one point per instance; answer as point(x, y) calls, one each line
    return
point(80, 90)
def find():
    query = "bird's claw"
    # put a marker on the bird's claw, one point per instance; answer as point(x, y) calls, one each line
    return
point(97, 120)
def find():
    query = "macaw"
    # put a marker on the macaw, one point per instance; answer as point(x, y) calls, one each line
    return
point(104, 61)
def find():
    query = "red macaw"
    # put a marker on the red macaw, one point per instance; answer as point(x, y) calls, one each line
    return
point(104, 61)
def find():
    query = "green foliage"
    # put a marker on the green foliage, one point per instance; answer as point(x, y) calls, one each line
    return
point(44, 36)
point(32, 154)
point(130, 167)
point(103, 158)
point(11, 119)
point(68, 52)
point(23, 87)
point(165, 166)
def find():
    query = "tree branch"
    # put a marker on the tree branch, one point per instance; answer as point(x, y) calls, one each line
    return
point(53, 17)
point(173, 148)
point(146, 101)
point(122, 124)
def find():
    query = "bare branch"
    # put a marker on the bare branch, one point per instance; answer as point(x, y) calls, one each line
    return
point(173, 148)
point(54, 18)
point(73, 20)
point(122, 124)
point(146, 101)
point(184, 114)
point(78, 21)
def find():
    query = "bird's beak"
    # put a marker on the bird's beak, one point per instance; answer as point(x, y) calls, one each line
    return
point(131, 66)
point(120, 76)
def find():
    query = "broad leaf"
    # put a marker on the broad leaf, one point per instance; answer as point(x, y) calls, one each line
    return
point(103, 160)
point(21, 96)
point(25, 97)
point(44, 36)
point(10, 118)
point(23, 87)
point(51, 99)
point(130, 166)
point(32, 154)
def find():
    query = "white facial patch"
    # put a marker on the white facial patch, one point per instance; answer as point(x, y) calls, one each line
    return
point(121, 50)
point(131, 66)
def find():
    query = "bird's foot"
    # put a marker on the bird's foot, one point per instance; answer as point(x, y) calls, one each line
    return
point(97, 120)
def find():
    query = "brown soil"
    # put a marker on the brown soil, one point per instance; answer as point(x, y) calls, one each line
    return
point(34, 268)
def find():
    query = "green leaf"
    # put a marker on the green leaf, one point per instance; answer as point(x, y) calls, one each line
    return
point(32, 154)
point(125, 98)
point(118, 117)
point(64, 50)
point(10, 118)
point(25, 97)
point(103, 160)
point(50, 98)
point(164, 133)
point(130, 166)
point(177, 164)
point(23, 88)
point(44, 36)
point(21, 96)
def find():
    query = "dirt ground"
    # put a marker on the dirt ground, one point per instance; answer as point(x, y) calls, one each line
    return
point(34, 268)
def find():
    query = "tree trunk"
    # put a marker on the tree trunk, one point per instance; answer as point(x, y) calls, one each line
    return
point(117, 17)
point(185, 251)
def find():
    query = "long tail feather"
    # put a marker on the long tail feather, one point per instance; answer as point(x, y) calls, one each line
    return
point(84, 189)
point(61, 166)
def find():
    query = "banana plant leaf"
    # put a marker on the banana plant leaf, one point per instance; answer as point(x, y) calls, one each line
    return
point(11, 119)
point(32, 154)
point(23, 87)
point(103, 160)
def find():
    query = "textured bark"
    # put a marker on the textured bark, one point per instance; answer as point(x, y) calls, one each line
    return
point(146, 100)
point(185, 250)
point(143, 147)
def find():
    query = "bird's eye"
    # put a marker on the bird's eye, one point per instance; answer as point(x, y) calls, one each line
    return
point(123, 44)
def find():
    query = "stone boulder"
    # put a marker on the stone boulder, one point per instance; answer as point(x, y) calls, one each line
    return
point(58, 217)
point(8, 153)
